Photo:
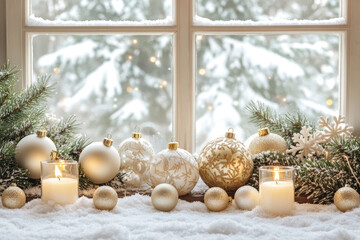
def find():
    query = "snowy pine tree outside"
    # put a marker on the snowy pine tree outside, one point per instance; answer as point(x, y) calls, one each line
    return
point(114, 82)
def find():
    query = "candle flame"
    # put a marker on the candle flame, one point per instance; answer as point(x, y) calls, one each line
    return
point(277, 177)
point(58, 172)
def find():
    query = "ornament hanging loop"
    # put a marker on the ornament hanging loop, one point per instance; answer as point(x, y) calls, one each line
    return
point(230, 133)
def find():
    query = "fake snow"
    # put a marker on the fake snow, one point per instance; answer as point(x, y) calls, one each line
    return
point(135, 218)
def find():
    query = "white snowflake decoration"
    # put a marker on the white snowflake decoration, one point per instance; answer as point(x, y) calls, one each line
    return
point(338, 128)
point(307, 144)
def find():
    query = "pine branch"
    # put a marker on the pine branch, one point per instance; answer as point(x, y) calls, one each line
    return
point(7, 81)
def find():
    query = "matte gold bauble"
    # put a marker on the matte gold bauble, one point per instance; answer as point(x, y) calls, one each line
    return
point(164, 197)
point(13, 197)
point(100, 161)
point(216, 199)
point(247, 198)
point(346, 198)
point(105, 198)
point(266, 141)
point(175, 166)
point(33, 149)
point(225, 162)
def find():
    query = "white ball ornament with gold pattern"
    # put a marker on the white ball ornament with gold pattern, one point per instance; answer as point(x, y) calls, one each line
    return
point(265, 141)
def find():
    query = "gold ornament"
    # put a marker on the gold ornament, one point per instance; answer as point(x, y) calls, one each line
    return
point(13, 197)
point(224, 162)
point(100, 161)
point(346, 198)
point(266, 141)
point(33, 149)
point(247, 198)
point(135, 154)
point(164, 197)
point(216, 199)
point(176, 167)
point(105, 198)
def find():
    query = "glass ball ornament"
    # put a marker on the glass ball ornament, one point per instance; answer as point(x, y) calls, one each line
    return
point(135, 154)
point(247, 198)
point(225, 163)
point(164, 197)
point(265, 141)
point(175, 166)
point(346, 198)
point(13, 197)
point(216, 199)
point(100, 161)
point(105, 198)
point(33, 149)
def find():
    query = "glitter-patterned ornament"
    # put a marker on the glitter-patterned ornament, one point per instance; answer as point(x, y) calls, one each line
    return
point(105, 198)
point(33, 149)
point(225, 163)
point(266, 141)
point(100, 161)
point(247, 198)
point(176, 167)
point(135, 154)
point(346, 198)
point(13, 197)
point(216, 199)
point(164, 197)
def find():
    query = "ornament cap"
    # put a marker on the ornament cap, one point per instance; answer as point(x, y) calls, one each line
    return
point(173, 145)
point(136, 135)
point(230, 200)
point(108, 142)
point(41, 133)
point(230, 133)
point(53, 155)
point(13, 185)
point(264, 132)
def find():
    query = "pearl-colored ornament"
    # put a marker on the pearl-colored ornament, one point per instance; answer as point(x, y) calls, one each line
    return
point(164, 197)
point(216, 199)
point(247, 198)
point(33, 149)
point(346, 198)
point(225, 162)
point(176, 167)
point(105, 198)
point(266, 141)
point(100, 161)
point(13, 197)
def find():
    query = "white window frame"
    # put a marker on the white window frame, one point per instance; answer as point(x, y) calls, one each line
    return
point(18, 50)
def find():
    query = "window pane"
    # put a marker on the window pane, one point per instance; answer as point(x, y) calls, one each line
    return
point(114, 10)
point(268, 10)
point(112, 83)
point(298, 72)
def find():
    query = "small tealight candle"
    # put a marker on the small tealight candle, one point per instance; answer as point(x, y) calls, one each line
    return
point(59, 181)
point(277, 190)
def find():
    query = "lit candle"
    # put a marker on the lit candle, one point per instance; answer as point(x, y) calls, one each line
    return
point(59, 181)
point(277, 190)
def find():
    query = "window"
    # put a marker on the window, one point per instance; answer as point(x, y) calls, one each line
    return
point(188, 68)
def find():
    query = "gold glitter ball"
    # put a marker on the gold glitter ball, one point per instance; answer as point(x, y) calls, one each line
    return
point(216, 199)
point(105, 198)
point(164, 197)
point(13, 197)
point(346, 198)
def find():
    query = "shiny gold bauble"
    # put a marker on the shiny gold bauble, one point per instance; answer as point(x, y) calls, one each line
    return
point(266, 141)
point(346, 198)
point(216, 199)
point(247, 198)
point(100, 161)
point(105, 198)
point(225, 162)
point(164, 197)
point(13, 197)
point(33, 149)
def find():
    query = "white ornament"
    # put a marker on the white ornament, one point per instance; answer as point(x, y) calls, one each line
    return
point(100, 161)
point(338, 128)
point(307, 144)
point(33, 149)
point(247, 198)
point(135, 154)
point(176, 167)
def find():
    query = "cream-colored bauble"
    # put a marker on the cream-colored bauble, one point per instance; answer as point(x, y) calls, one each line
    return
point(346, 198)
point(266, 141)
point(176, 167)
point(225, 163)
point(216, 199)
point(164, 197)
point(247, 198)
point(13, 197)
point(33, 149)
point(105, 198)
point(135, 154)
point(100, 161)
